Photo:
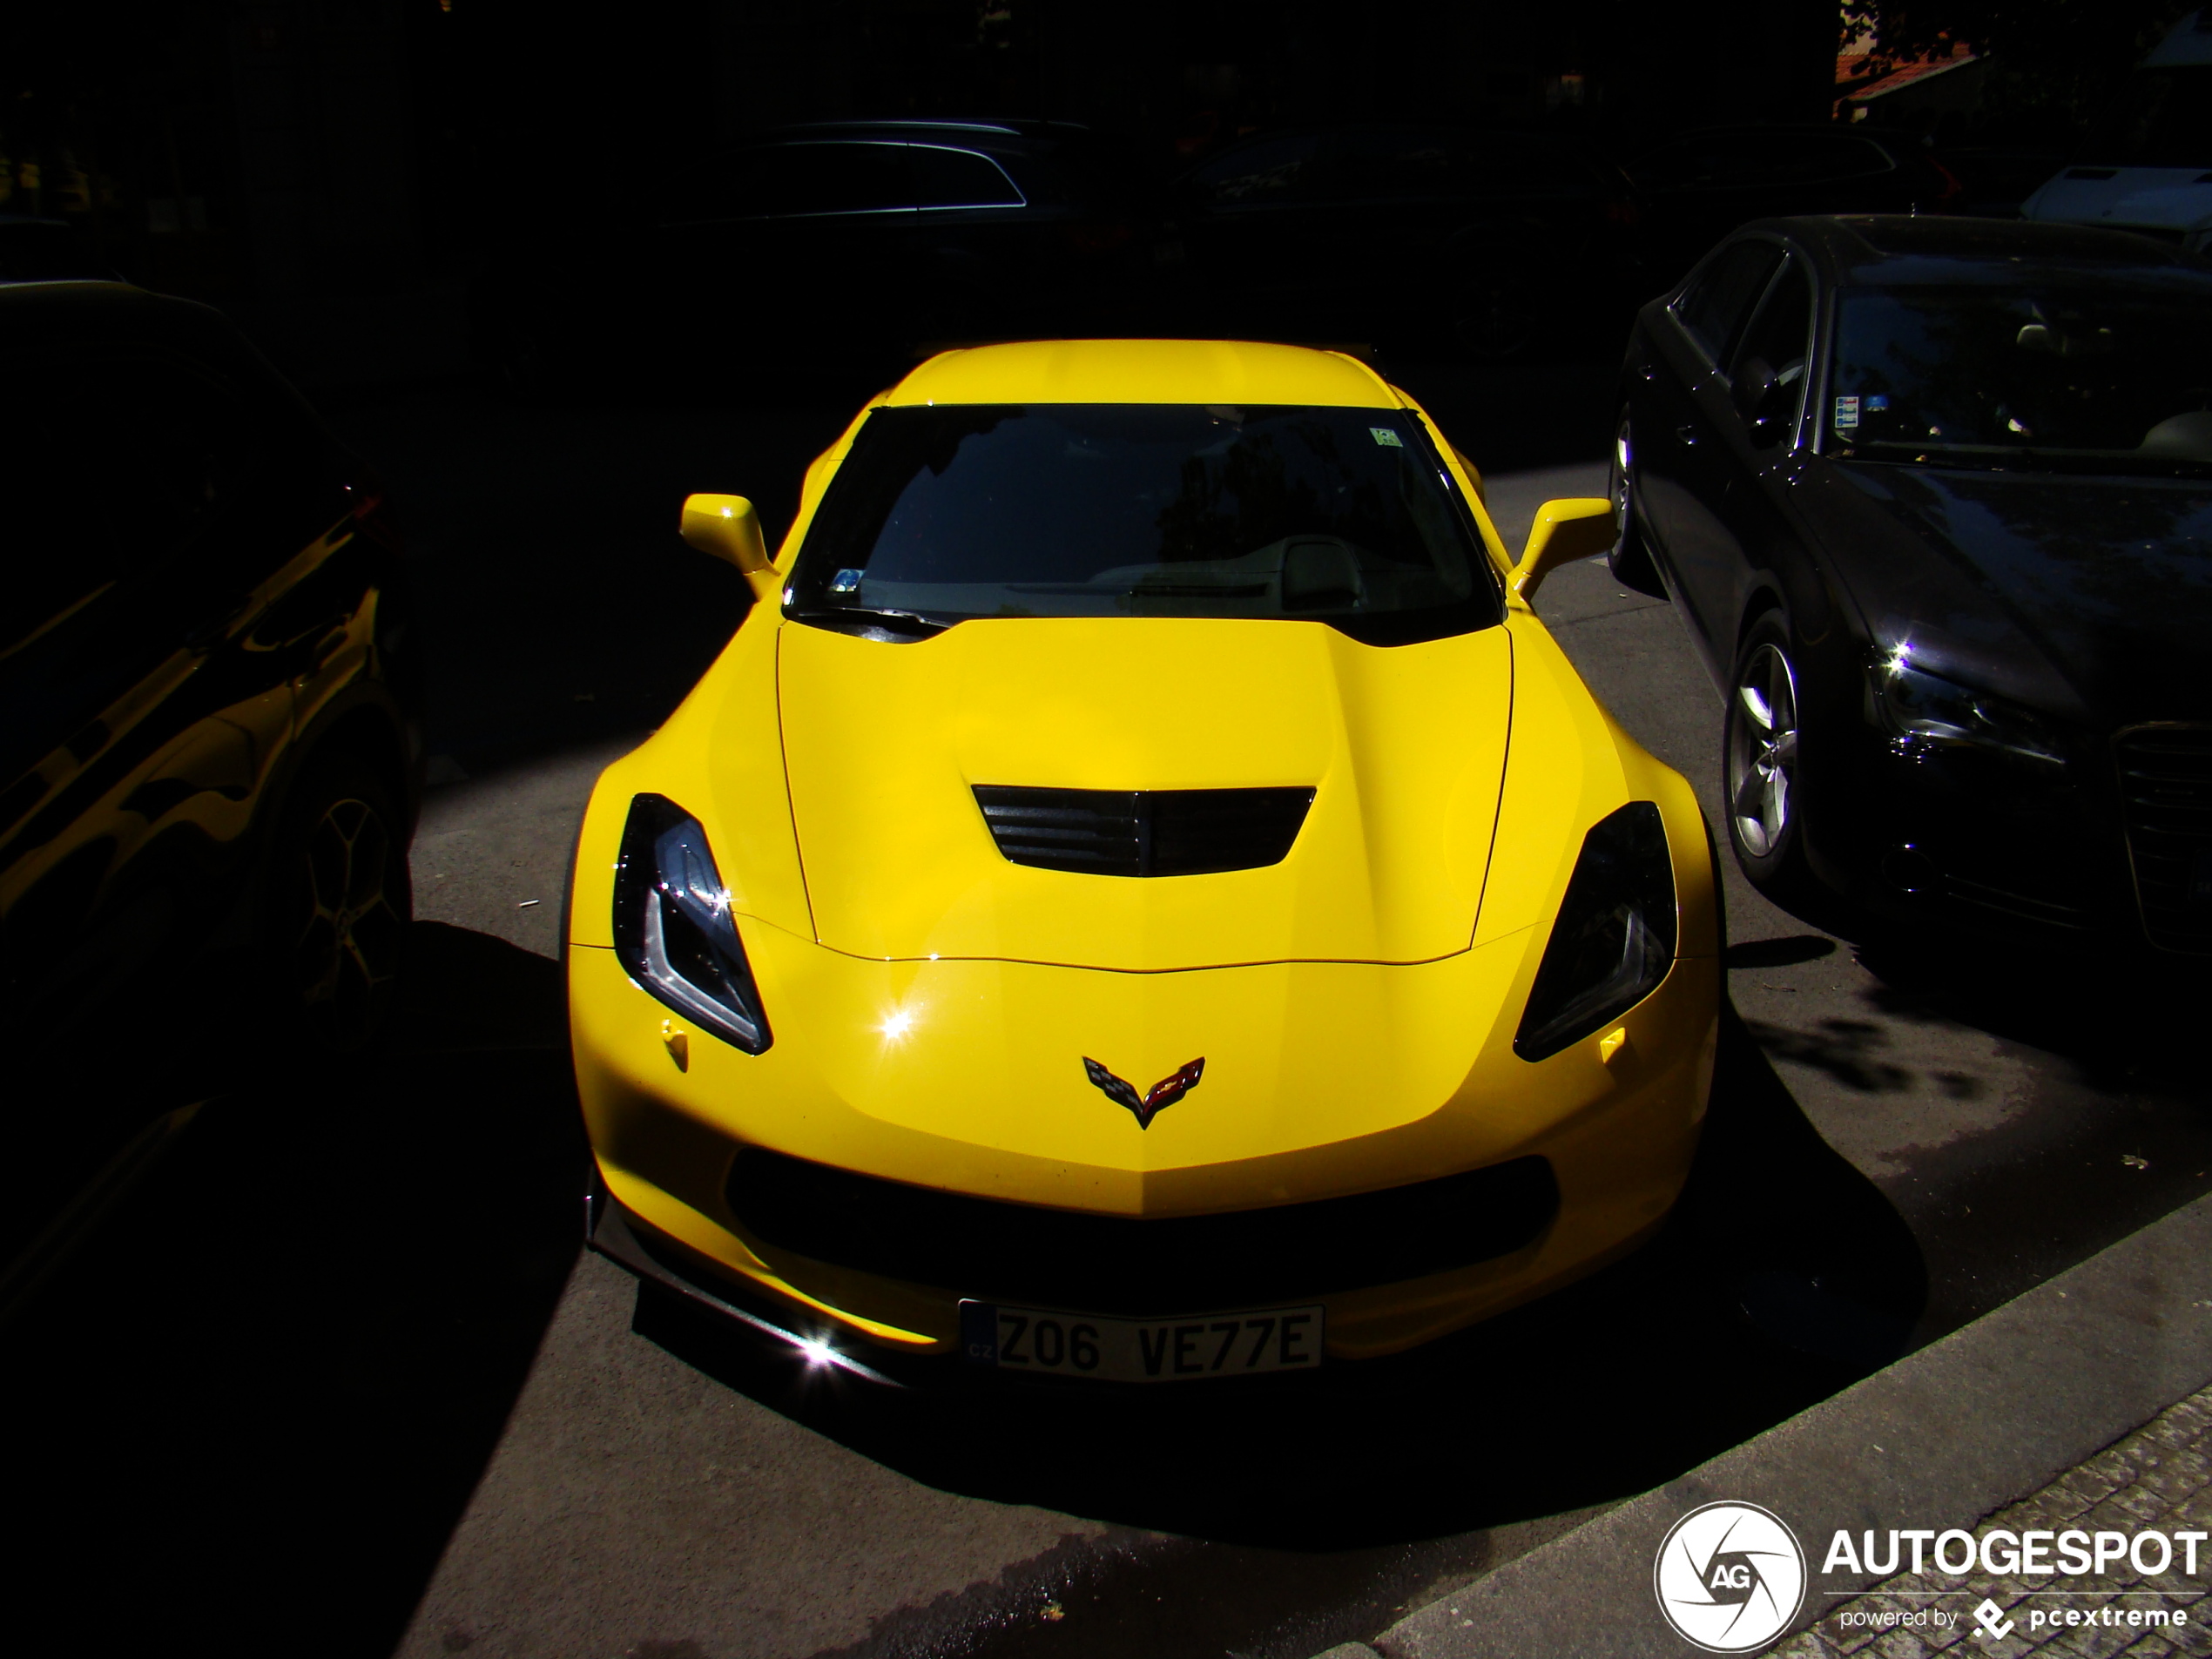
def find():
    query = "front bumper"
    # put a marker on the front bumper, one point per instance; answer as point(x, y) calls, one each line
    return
point(1324, 1082)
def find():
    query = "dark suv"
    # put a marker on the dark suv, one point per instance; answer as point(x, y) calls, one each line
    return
point(834, 241)
point(209, 737)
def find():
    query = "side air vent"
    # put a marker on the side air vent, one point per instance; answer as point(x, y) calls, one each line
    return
point(1143, 831)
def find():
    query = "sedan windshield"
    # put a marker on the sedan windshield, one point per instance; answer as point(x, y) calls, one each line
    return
point(1339, 516)
point(2059, 376)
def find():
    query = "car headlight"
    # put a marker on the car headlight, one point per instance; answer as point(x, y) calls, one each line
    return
point(1613, 937)
point(1920, 711)
point(673, 930)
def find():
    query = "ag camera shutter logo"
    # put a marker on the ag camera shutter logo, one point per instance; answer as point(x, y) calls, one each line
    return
point(1729, 1577)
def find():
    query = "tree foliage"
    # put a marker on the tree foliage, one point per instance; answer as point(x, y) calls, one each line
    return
point(2057, 57)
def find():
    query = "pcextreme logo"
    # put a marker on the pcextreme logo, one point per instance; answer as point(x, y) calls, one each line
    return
point(1729, 1577)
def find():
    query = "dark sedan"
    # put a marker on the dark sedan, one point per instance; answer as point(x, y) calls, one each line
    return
point(209, 739)
point(1935, 499)
point(830, 242)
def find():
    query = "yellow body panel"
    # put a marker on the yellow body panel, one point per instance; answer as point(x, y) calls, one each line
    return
point(881, 747)
point(1144, 371)
point(931, 1002)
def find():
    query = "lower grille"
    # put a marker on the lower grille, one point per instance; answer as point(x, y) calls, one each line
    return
point(1119, 1264)
point(2027, 906)
point(1143, 831)
point(2166, 798)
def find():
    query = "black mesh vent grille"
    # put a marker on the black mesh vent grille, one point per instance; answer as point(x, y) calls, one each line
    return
point(1118, 1264)
point(1143, 831)
point(2166, 794)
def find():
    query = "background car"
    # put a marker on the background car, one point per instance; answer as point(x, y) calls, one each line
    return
point(1702, 186)
point(209, 737)
point(1491, 243)
point(2147, 166)
point(846, 240)
point(1140, 897)
point(1935, 498)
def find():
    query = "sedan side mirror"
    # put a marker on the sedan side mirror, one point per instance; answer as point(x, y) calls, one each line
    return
point(1764, 401)
point(727, 527)
point(1565, 530)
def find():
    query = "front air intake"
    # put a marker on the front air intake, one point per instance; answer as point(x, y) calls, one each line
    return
point(1141, 1266)
point(2166, 797)
point(1143, 831)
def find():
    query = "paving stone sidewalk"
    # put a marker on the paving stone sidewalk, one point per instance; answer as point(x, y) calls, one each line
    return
point(2159, 1477)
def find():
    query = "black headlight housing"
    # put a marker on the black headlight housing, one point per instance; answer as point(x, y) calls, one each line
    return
point(673, 930)
point(1614, 939)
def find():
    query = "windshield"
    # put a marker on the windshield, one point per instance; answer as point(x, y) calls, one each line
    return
point(2059, 376)
point(1337, 516)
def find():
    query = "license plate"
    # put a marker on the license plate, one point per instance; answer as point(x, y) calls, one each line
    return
point(1184, 1349)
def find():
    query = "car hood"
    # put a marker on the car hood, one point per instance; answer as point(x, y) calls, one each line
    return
point(885, 742)
point(2102, 585)
point(2168, 198)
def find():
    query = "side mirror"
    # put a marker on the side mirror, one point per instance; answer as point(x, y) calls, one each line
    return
point(1564, 531)
point(727, 527)
point(1763, 400)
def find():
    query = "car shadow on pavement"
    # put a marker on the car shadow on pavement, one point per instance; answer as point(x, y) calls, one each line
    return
point(248, 1413)
point(1783, 1276)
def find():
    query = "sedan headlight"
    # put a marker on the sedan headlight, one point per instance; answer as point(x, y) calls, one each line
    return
point(1920, 711)
point(1614, 939)
point(673, 930)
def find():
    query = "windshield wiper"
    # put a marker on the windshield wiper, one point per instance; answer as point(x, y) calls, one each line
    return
point(868, 620)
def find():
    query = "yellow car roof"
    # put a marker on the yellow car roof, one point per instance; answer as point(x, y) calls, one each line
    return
point(1143, 371)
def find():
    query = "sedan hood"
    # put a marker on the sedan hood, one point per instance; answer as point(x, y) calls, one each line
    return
point(884, 745)
point(2108, 580)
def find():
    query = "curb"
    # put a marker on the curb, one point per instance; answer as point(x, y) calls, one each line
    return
point(1946, 1435)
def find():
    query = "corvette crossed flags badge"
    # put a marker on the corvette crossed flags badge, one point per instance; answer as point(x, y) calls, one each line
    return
point(1162, 1094)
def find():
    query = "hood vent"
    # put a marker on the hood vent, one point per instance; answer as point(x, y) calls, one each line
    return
point(1143, 831)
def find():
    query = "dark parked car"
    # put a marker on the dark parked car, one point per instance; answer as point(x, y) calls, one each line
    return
point(209, 740)
point(832, 242)
point(1935, 498)
point(1490, 242)
point(1702, 186)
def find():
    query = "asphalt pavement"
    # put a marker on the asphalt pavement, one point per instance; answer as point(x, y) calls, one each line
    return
point(339, 1380)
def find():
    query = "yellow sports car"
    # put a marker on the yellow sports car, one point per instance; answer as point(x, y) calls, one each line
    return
point(1141, 897)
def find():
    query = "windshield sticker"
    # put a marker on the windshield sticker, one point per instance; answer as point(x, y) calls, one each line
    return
point(845, 582)
point(1846, 413)
point(1875, 404)
point(1385, 437)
